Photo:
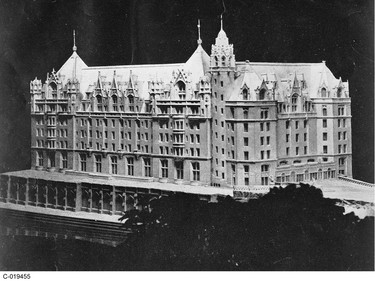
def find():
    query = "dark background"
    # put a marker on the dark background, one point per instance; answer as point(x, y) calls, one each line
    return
point(36, 36)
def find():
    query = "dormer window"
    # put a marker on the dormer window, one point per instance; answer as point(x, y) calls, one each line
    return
point(181, 90)
point(294, 102)
point(339, 92)
point(114, 103)
point(262, 94)
point(99, 102)
point(245, 94)
point(223, 60)
point(53, 88)
point(323, 92)
point(131, 103)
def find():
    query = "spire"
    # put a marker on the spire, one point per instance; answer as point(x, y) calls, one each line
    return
point(74, 41)
point(199, 33)
point(221, 22)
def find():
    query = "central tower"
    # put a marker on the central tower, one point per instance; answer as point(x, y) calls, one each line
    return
point(222, 69)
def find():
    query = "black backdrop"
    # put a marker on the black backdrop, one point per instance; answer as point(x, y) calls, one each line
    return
point(36, 36)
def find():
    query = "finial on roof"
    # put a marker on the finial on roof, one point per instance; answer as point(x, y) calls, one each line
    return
point(74, 41)
point(199, 32)
point(323, 61)
point(221, 21)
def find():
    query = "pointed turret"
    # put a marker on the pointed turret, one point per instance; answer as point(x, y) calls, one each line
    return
point(199, 62)
point(72, 68)
point(222, 55)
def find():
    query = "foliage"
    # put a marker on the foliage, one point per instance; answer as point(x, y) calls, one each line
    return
point(287, 229)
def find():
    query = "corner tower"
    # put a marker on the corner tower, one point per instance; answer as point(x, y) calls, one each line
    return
point(222, 69)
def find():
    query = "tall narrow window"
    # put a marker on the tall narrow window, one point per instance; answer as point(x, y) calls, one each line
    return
point(64, 160)
point(147, 166)
point(245, 94)
point(294, 102)
point(196, 171)
point(130, 167)
point(98, 163)
point(164, 168)
point(40, 158)
point(83, 162)
point(262, 94)
point(179, 170)
point(114, 165)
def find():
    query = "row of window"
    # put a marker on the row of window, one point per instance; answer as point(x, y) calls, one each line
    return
point(296, 124)
point(307, 176)
point(51, 159)
point(297, 138)
point(164, 169)
point(297, 150)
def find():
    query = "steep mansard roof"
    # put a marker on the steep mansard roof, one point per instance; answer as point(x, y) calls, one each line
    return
point(252, 75)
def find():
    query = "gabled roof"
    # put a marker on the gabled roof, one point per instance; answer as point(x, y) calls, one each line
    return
point(198, 64)
point(72, 68)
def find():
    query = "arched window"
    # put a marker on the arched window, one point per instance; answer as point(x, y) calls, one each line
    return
point(294, 102)
point(181, 86)
point(131, 103)
point(114, 99)
point(223, 60)
point(323, 92)
point(262, 94)
point(245, 94)
point(53, 88)
point(99, 103)
point(324, 111)
point(339, 91)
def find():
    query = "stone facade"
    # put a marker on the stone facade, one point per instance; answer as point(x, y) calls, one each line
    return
point(209, 121)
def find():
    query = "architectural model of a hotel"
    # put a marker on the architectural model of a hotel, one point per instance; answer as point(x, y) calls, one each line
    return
point(209, 121)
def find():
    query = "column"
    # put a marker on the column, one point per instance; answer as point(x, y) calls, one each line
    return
point(27, 192)
point(8, 192)
point(78, 197)
point(113, 203)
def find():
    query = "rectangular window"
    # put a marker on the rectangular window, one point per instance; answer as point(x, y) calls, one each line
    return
point(305, 150)
point(246, 155)
point(287, 124)
point(130, 166)
point(40, 159)
point(261, 140)
point(305, 137)
point(261, 154)
point(114, 164)
point(196, 171)
point(164, 168)
point(287, 151)
point(98, 163)
point(287, 137)
point(246, 174)
point(268, 140)
point(268, 126)
point(268, 154)
point(265, 168)
point(261, 126)
point(246, 141)
point(325, 149)
point(83, 160)
point(147, 166)
point(325, 136)
point(305, 123)
point(246, 127)
point(297, 124)
point(297, 137)
point(264, 180)
point(325, 123)
point(64, 160)
point(179, 170)
point(297, 150)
